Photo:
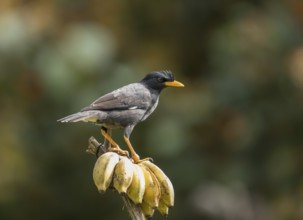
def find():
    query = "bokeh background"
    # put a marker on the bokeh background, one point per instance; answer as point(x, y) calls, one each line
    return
point(230, 141)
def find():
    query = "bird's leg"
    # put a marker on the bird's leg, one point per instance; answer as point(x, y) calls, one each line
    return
point(113, 145)
point(127, 131)
point(106, 143)
point(133, 153)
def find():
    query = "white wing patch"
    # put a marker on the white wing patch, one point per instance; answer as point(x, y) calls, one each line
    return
point(133, 107)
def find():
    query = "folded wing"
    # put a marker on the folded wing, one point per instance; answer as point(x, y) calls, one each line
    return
point(133, 96)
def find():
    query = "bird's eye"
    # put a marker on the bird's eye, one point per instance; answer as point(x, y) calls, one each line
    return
point(161, 79)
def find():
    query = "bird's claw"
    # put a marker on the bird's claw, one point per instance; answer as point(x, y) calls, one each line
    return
point(119, 151)
point(147, 159)
point(136, 159)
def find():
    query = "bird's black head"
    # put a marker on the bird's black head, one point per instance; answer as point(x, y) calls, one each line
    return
point(158, 80)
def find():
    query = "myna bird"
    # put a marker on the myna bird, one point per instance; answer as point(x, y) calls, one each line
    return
point(126, 107)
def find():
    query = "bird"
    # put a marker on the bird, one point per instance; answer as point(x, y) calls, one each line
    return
point(125, 107)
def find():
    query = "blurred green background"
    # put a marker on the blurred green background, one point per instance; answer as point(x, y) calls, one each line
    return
point(230, 141)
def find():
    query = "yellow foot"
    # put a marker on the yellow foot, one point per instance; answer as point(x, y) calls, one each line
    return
point(119, 151)
point(136, 159)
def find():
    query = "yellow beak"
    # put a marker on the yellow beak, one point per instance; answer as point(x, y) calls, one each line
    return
point(174, 84)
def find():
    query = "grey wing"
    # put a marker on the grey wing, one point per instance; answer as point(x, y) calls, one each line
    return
point(132, 96)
